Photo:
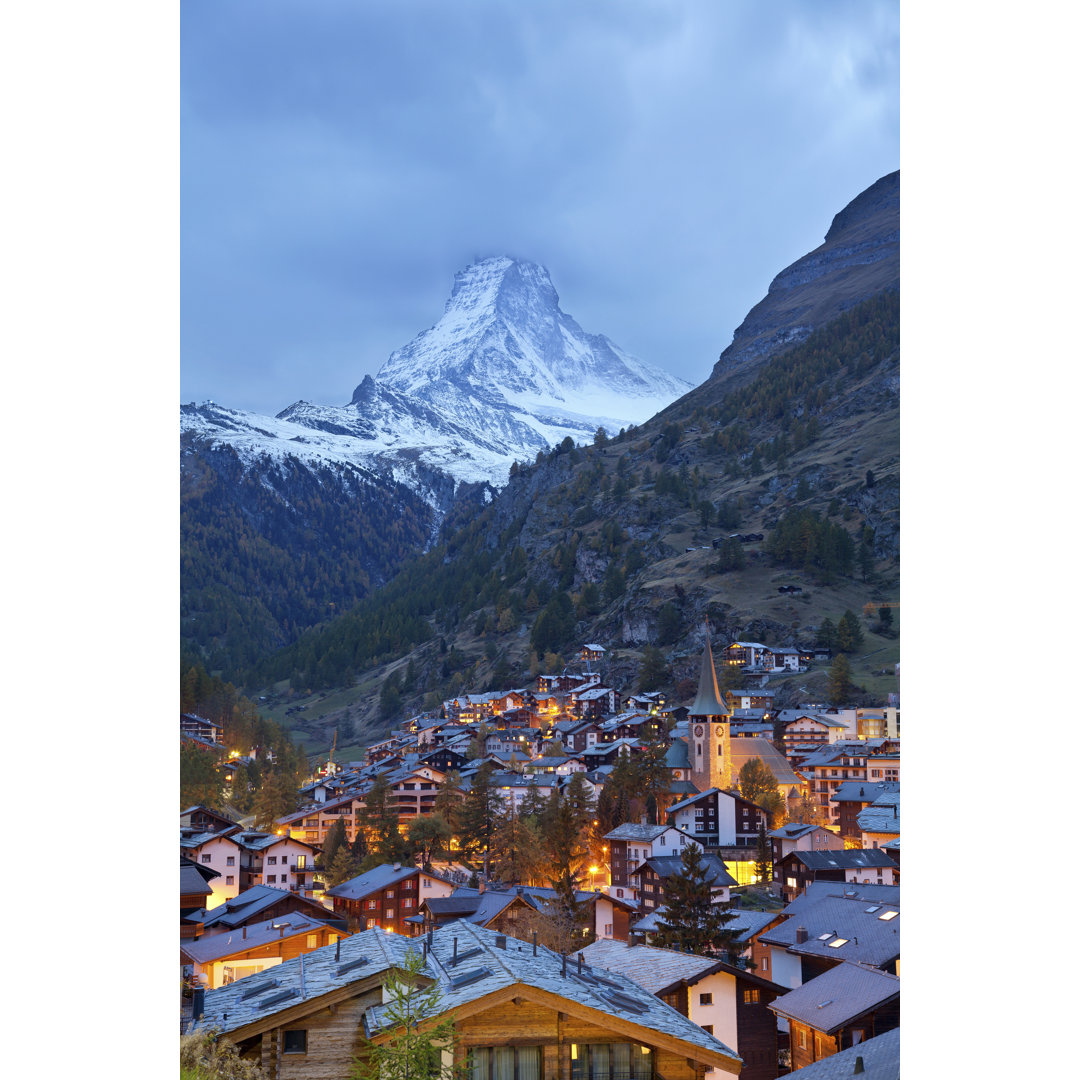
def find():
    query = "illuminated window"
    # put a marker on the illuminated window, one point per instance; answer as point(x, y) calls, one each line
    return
point(751, 997)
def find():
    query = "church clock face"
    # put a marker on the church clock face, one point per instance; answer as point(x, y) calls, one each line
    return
point(699, 730)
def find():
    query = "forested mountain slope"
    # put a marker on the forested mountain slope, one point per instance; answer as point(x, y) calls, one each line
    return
point(591, 543)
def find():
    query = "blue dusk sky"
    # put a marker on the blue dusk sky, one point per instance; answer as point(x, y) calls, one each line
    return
point(664, 160)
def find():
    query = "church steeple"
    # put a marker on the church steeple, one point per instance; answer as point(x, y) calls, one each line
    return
point(707, 732)
point(707, 702)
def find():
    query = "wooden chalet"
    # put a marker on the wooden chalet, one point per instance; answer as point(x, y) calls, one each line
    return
point(517, 1012)
point(649, 877)
point(204, 820)
point(387, 897)
point(839, 1009)
point(198, 727)
point(798, 869)
point(235, 954)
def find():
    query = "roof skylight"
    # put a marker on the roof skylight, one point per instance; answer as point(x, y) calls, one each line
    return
point(885, 916)
point(838, 942)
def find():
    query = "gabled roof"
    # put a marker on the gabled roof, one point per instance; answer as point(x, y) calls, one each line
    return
point(882, 817)
point(838, 997)
point(211, 947)
point(658, 970)
point(743, 750)
point(848, 859)
point(248, 904)
point(664, 866)
point(866, 791)
point(380, 877)
point(249, 1003)
point(793, 831)
point(640, 833)
point(493, 974)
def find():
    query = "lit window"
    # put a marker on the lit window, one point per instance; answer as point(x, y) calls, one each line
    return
point(751, 997)
point(838, 942)
point(313, 941)
point(886, 916)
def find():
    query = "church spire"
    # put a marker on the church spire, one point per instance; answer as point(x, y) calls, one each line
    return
point(708, 701)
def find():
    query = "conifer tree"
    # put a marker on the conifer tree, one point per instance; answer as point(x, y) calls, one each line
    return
point(481, 814)
point(691, 921)
point(763, 863)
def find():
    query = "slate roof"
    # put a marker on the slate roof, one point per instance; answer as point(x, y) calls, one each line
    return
point(848, 859)
point(380, 878)
point(880, 818)
point(793, 831)
point(596, 988)
point(250, 902)
point(193, 881)
point(210, 947)
point(640, 833)
point(866, 791)
point(747, 923)
point(880, 1059)
point(869, 894)
point(664, 866)
point(837, 997)
point(868, 938)
point(654, 969)
point(309, 976)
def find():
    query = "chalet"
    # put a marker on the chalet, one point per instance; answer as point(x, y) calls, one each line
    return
point(534, 1011)
point(848, 759)
point(220, 959)
point(313, 823)
point(444, 759)
point(718, 818)
point(630, 845)
point(592, 654)
point(838, 1010)
point(258, 905)
point(595, 702)
point(796, 837)
point(725, 1001)
point(504, 910)
point(649, 877)
point(513, 788)
point(387, 896)
point(745, 654)
point(749, 698)
point(807, 729)
point(651, 702)
point(279, 861)
point(878, 723)
point(204, 820)
point(852, 797)
point(198, 727)
point(796, 870)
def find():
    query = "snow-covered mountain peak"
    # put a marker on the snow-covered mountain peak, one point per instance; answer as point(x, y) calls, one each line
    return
point(504, 374)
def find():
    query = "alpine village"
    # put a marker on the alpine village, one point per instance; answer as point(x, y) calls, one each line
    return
point(587, 770)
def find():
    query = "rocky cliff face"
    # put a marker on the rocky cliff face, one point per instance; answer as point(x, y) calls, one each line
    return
point(859, 258)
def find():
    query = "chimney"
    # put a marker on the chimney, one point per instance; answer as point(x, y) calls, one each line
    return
point(801, 935)
point(500, 941)
point(397, 866)
point(198, 999)
point(245, 932)
point(453, 962)
point(534, 943)
point(858, 1065)
point(579, 963)
point(564, 965)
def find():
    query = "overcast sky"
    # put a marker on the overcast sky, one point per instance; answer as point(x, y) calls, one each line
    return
point(664, 160)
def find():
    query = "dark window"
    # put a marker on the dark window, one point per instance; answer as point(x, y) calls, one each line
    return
point(295, 1042)
point(705, 999)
